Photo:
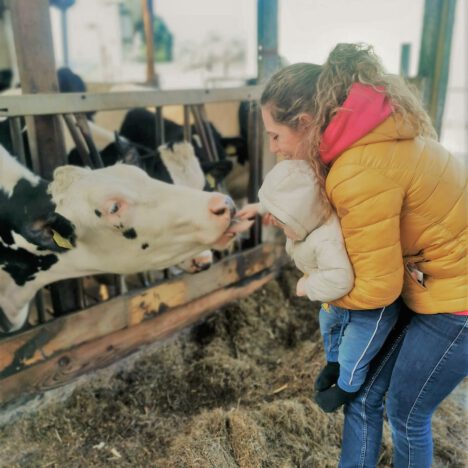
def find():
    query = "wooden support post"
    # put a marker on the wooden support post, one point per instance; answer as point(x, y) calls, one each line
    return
point(148, 18)
point(36, 64)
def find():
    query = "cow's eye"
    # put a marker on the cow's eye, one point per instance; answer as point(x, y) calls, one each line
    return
point(114, 208)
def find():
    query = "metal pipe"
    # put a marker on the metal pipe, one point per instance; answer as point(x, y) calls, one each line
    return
point(42, 104)
point(64, 24)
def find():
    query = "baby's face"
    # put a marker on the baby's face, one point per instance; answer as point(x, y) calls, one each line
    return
point(288, 232)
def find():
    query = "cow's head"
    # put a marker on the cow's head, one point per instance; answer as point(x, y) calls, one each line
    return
point(125, 221)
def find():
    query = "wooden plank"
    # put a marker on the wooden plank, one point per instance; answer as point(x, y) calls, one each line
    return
point(36, 65)
point(96, 354)
point(43, 342)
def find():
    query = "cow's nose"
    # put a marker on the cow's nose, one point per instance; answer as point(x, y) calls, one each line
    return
point(220, 204)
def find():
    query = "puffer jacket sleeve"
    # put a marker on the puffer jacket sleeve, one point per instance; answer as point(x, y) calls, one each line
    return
point(368, 205)
point(332, 276)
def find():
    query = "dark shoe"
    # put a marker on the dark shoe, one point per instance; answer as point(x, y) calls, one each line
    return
point(328, 376)
point(331, 399)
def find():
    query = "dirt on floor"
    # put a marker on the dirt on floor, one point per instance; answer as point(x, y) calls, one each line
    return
point(234, 391)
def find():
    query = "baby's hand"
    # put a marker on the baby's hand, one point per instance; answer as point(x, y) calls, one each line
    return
point(300, 287)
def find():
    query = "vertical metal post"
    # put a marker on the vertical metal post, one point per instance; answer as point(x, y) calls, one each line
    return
point(256, 166)
point(160, 137)
point(434, 57)
point(64, 24)
point(267, 37)
point(405, 59)
point(187, 128)
point(268, 62)
point(17, 139)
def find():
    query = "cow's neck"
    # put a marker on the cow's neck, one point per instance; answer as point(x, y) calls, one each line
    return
point(18, 287)
point(11, 171)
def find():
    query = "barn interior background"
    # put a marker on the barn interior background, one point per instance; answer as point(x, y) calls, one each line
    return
point(210, 49)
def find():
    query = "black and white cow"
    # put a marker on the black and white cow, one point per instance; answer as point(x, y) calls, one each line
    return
point(139, 126)
point(174, 163)
point(118, 220)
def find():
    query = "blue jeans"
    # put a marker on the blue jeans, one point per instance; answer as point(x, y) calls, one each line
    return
point(418, 367)
point(353, 338)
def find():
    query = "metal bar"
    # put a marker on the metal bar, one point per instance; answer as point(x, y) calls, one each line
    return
point(209, 131)
point(256, 163)
point(159, 130)
point(39, 303)
point(187, 127)
point(17, 139)
point(201, 130)
point(43, 104)
point(64, 26)
point(82, 124)
point(77, 137)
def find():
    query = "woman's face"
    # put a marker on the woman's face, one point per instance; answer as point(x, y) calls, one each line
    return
point(284, 141)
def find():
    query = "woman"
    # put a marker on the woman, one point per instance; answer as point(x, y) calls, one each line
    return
point(401, 199)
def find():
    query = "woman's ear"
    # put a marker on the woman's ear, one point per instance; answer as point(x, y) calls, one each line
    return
point(305, 121)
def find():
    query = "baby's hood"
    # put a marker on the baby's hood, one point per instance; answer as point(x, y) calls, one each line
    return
point(290, 192)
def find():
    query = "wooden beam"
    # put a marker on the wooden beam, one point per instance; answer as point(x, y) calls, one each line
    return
point(69, 364)
point(36, 64)
point(43, 342)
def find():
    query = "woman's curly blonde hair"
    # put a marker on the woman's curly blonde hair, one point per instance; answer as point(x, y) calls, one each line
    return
point(320, 91)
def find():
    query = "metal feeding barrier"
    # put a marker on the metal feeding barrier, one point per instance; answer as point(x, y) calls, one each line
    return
point(63, 346)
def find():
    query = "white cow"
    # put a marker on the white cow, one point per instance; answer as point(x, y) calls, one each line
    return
point(123, 222)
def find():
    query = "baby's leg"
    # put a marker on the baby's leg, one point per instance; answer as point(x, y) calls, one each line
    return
point(331, 324)
point(363, 337)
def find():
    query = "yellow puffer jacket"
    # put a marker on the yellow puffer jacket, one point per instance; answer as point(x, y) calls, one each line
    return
point(402, 199)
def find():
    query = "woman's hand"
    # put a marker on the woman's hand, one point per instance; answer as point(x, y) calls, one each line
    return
point(251, 210)
point(248, 211)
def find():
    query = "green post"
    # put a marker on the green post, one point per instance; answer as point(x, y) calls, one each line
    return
point(434, 57)
point(405, 59)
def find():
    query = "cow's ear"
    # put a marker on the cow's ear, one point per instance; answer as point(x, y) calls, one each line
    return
point(55, 233)
point(64, 177)
point(131, 156)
